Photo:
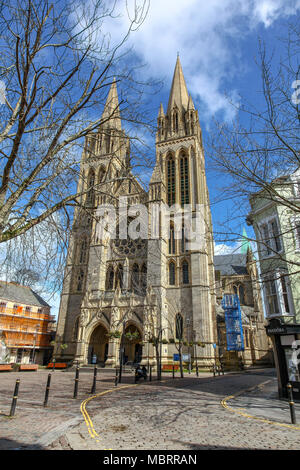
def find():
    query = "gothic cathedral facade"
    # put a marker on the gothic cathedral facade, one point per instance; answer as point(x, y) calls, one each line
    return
point(122, 295)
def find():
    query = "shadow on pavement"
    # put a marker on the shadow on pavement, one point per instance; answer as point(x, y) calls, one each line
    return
point(9, 444)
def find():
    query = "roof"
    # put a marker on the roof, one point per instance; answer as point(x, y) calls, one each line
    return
point(20, 294)
point(232, 264)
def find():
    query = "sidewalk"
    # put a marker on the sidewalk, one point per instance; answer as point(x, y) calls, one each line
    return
point(263, 402)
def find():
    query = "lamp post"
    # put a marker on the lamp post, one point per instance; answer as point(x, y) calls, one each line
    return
point(188, 322)
point(121, 355)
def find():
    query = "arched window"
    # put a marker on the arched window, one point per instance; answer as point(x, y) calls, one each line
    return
point(83, 251)
point(175, 121)
point(172, 273)
point(107, 143)
point(135, 278)
point(101, 174)
point(110, 278)
point(179, 326)
point(80, 280)
point(184, 179)
point(170, 180)
point(90, 187)
point(76, 329)
point(144, 277)
point(183, 241)
point(119, 276)
point(242, 295)
point(172, 246)
point(185, 272)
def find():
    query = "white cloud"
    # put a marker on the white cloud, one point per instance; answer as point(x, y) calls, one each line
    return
point(223, 249)
point(201, 32)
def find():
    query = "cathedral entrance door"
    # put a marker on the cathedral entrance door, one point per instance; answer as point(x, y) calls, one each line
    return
point(98, 345)
point(133, 348)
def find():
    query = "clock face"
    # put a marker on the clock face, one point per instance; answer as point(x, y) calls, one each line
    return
point(130, 248)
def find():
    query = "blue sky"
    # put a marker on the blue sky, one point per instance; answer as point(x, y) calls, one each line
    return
point(217, 41)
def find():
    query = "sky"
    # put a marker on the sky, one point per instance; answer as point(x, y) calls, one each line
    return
point(217, 41)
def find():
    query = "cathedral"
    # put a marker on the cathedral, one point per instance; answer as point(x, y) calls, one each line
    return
point(122, 295)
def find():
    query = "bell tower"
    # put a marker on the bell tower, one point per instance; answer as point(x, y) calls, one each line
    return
point(183, 277)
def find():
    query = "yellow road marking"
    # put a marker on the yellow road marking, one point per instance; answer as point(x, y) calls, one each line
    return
point(86, 416)
point(246, 415)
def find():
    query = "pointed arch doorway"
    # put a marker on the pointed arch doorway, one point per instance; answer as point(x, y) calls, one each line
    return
point(98, 345)
point(132, 344)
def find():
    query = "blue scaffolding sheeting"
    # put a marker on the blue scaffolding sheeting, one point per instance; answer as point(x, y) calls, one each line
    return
point(233, 322)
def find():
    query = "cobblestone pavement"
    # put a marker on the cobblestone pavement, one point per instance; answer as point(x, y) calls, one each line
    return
point(180, 414)
point(183, 415)
point(33, 426)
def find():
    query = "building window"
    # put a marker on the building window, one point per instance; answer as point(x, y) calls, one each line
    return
point(172, 246)
point(110, 278)
point(101, 174)
point(184, 179)
point(135, 278)
point(179, 326)
point(76, 330)
point(185, 272)
point(172, 274)
point(295, 223)
point(79, 285)
point(270, 237)
point(90, 187)
point(83, 251)
point(119, 277)
point(171, 180)
point(278, 295)
point(144, 277)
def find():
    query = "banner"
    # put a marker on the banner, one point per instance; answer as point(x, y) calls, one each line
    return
point(233, 322)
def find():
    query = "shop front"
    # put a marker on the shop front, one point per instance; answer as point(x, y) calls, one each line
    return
point(286, 344)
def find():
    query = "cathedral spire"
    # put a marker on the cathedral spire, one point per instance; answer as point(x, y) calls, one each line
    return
point(179, 95)
point(112, 108)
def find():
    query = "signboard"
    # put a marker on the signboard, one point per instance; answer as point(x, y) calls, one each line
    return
point(186, 357)
point(233, 322)
point(175, 357)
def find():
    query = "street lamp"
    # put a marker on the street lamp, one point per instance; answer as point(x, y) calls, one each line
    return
point(188, 321)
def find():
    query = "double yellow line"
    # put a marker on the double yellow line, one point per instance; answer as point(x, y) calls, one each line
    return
point(263, 420)
point(86, 416)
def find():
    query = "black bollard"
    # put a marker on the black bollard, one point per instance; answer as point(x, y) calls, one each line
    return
point(15, 397)
point(197, 371)
point(291, 403)
point(47, 390)
point(76, 382)
point(173, 372)
point(94, 380)
point(116, 378)
point(150, 376)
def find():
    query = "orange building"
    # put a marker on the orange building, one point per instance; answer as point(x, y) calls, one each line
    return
point(25, 324)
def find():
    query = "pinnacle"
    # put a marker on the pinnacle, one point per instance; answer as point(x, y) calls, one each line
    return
point(111, 109)
point(179, 94)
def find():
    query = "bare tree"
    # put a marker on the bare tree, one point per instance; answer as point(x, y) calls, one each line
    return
point(57, 65)
point(256, 153)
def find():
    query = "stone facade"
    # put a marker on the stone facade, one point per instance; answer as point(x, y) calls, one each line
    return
point(237, 274)
point(139, 287)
